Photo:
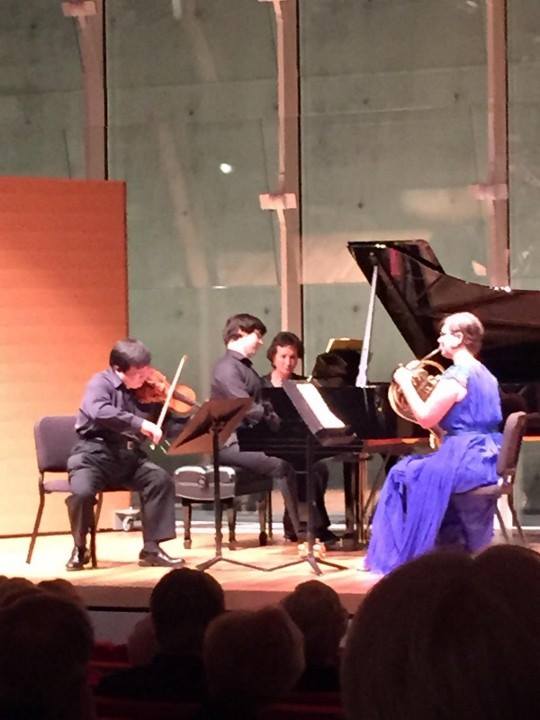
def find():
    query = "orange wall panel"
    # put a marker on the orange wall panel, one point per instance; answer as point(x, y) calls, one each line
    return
point(63, 304)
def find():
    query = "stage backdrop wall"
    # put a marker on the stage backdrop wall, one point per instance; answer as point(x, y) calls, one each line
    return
point(63, 303)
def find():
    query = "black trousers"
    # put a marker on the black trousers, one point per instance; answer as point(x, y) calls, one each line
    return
point(319, 480)
point(281, 472)
point(95, 465)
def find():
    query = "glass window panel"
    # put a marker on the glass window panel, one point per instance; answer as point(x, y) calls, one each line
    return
point(193, 132)
point(393, 134)
point(41, 112)
point(524, 140)
point(524, 161)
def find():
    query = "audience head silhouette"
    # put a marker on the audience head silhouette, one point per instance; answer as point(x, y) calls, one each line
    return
point(45, 646)
point(448, 636)
point(62, 588)
point(252, 657)
point(317, 610)
point(12, 589)
point(182, 604)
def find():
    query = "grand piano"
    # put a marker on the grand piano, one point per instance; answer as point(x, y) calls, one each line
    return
point(417, 294)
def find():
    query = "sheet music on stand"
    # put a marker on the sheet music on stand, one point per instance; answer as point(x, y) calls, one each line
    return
point(318, 417)
point(343, 343)
point(325, 417)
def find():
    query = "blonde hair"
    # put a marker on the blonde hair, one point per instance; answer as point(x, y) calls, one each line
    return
point(469, 326)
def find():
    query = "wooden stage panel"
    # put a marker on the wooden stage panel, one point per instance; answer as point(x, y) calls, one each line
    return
point(63, 303)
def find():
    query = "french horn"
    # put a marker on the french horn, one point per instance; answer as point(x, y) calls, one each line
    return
point(425, 376)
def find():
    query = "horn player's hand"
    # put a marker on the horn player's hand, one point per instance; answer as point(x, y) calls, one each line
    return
point(402, 376)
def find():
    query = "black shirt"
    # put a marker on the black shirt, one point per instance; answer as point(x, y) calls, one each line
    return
point(111, 411)
point(109, 408)
point(234, 377)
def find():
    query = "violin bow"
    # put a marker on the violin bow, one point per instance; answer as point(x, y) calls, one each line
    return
point(170, 392)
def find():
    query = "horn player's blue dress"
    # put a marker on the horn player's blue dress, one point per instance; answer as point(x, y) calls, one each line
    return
point(417, 508)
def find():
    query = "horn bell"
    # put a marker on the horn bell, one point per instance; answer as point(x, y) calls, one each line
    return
point(425, 376)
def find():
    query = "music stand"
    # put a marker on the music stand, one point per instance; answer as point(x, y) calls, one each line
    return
point(205, 432)
point(328, 430)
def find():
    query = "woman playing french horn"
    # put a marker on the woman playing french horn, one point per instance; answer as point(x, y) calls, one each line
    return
point(418, 508)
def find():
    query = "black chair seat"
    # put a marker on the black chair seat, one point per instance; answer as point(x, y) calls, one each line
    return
point(507, 464)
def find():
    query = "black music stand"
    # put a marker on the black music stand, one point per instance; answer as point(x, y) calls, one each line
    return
point(326, 433)
point(205, 432)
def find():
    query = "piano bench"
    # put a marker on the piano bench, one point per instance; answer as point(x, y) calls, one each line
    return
point(194, 485)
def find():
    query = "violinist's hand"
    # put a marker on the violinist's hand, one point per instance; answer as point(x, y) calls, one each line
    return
point(151, 430)
point(403, 376)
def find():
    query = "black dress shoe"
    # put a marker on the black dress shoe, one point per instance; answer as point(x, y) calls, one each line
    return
point(159, 559)
point(325, 535)
point(331, 540)
point(293, 536)
point(79, 557)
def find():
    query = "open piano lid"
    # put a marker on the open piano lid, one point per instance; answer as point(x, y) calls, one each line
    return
point(418, 294)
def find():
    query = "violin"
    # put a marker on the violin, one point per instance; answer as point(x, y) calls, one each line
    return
point(156, 387)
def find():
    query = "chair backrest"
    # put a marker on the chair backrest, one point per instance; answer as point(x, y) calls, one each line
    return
point(514, 428)
point(54, 436)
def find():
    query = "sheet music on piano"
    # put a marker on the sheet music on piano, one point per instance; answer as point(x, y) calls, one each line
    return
point(324, 415)
point(314, 411)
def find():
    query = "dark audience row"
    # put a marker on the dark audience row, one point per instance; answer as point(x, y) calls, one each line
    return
point(445, 635)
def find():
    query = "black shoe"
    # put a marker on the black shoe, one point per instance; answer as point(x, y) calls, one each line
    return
point(293, 536)
point(331, 540)
point(325, 535)
point(79, 557)
point(159, 559)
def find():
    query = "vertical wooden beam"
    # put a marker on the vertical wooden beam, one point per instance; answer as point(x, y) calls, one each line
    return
point(497, 187)
point(286, 200)
point(89, 16)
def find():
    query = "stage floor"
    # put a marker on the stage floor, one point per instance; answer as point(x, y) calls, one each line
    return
point(119, 583)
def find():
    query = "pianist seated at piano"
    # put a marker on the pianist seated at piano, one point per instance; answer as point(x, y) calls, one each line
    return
point(235, 377)
point(420, 507)
point(284, 353)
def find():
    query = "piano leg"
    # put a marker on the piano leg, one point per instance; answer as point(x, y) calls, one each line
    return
point(366, 498)
point(350, 491)
point(361, 506)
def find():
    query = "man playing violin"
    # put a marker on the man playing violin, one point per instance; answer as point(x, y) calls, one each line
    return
point(111, 425)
